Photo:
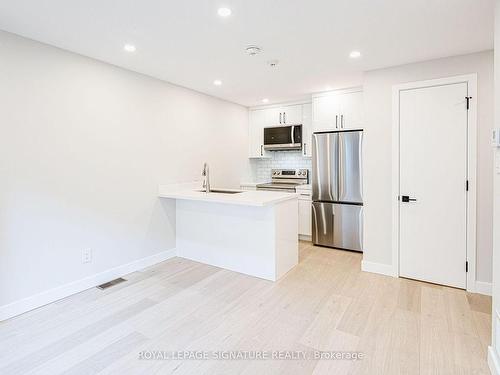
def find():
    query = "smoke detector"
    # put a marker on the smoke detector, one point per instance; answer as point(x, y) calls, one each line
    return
point(273, 63)
point(253, 50)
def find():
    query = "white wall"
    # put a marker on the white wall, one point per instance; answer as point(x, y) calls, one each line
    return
point(378, 148)
point(83, 148)
point(494, 351)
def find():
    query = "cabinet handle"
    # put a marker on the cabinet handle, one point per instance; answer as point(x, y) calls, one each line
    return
point(336, 121)
point(342, 121)
point(305, 144)
point(280, 117)
point(261, 154)
point(284, 117)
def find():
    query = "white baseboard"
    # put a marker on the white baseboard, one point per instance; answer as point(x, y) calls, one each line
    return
point(380, 268)
point(482, 287)
point(493, 361)
point(52, 295)
point(304, 237)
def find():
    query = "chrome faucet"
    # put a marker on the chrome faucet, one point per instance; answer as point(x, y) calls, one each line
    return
point(206, 180)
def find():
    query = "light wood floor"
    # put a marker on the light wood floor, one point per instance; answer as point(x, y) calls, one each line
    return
point(326, 303)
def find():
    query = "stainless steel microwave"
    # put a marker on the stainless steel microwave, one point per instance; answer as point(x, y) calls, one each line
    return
point(283, 138)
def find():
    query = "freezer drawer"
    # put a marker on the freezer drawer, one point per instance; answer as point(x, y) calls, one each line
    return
point(337, 225)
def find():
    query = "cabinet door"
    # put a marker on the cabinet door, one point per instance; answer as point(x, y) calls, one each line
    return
point(248, 188)
point(305, 224)
point(307, 130)
point(292, 115)
point(325, 111)
point(274, 116)
point(351, 110)
point(256, 125)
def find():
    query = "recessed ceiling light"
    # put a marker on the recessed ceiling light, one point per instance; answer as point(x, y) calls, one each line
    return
point(265, 100)
point(253, 50)
point(355, 54)
point(224, 12)
point(217, 82)
point(129, 47)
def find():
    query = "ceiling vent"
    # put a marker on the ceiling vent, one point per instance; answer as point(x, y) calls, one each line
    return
point(253, 50)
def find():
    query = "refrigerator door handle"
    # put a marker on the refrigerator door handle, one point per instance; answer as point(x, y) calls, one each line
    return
point(340, 169)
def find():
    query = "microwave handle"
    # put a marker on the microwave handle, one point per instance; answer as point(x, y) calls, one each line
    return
point(292, 131)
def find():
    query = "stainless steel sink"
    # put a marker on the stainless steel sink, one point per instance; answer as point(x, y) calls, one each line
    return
point(217, 191)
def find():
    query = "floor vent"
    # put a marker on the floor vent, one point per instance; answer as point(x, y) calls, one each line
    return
point(109, 284)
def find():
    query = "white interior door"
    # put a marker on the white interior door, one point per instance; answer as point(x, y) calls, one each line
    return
point(433, 171)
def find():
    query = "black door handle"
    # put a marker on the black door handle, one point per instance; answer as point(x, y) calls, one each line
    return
point(406, 198)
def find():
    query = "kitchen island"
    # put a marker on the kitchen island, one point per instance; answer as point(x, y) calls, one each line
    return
point(252, 232)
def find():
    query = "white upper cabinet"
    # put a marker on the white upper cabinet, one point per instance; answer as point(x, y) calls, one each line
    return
point(287, 115)
point(278, 116)
point(257, 122)
point(274, 116)
point(338, 110)
point(326, 110)
point(307, 130)
point(292, 115)
point(351, 110)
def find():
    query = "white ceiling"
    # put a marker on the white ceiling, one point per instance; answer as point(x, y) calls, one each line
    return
point(185, 42)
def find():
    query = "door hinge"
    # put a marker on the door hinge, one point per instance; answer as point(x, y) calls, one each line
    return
point(468, 98)
point(467, 185)
point(466, 266)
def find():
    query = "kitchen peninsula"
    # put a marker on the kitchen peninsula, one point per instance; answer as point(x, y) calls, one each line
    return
point(252, 232)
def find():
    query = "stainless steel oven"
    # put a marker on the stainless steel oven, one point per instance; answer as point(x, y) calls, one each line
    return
point(283, 138)
point(286, 180)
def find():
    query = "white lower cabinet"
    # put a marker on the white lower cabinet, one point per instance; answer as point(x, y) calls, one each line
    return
point(305, 213)
point(305, 217)
point(248, 187)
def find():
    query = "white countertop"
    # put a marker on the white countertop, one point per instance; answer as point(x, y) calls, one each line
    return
point(253, 183)
point(245, 198)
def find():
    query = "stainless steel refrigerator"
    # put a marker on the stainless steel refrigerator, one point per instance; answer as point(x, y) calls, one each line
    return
point(337, 193)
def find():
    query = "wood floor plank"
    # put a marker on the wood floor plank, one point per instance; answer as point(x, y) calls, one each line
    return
point(409, 296)
point(26, 363)
point(325, 304)
point(111, 353)
point(482, 322)
point(479, 302)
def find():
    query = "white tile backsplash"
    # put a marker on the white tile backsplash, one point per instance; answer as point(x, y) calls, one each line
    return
point(279, 160)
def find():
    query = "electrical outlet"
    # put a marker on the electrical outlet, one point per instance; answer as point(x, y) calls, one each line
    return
point(87, 255)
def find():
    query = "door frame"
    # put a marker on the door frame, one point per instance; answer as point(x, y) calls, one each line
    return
point(471, 80)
